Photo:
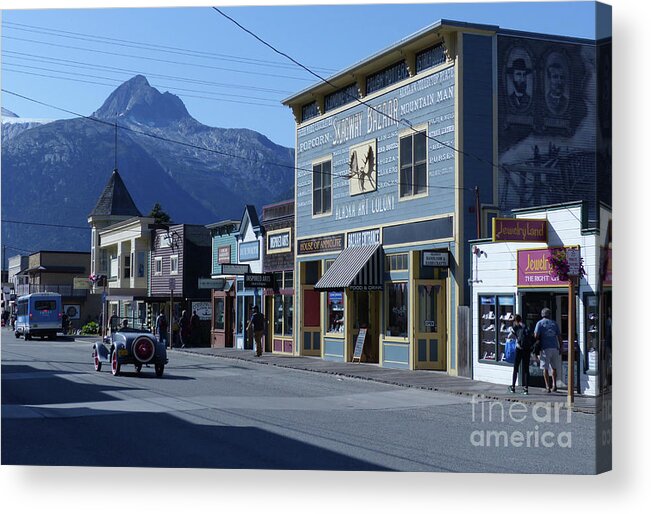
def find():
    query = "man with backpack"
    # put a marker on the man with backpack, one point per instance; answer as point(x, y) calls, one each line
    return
point(257, 322)
point(523, 346)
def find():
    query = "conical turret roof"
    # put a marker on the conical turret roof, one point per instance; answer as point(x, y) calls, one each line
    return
point(115, 200)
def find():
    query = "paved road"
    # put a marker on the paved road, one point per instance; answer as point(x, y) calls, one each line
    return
point(209, 412)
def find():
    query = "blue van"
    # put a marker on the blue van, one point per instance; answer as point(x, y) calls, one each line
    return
point(38, 314)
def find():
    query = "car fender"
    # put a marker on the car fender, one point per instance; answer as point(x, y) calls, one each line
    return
point(102, 351)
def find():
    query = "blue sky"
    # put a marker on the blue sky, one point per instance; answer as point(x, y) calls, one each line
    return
point(74, 58)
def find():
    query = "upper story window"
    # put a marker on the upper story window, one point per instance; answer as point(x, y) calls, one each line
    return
point(430, 57)
point(386, 77)
point(309, 111)
point(158, 266)
point(174, 264)
point(322, 188)
point(398, 261)
point(413, 164)
point(341, 97)
point(127, 267)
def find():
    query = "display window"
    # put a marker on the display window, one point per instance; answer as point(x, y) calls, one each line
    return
point(219, 313)
point(396, 295)
point(591, 336)
point(496, 314)
point(335, 312)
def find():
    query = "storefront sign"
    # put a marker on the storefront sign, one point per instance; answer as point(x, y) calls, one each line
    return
point(437, 259)
point(224, 254)
point(210, 283)
point(265, 280)
point(203, 310)
point(518, 230)
point(80, 283)
point(533, 269)
point(235, 269)
point(364, 238)
point(249, 251)
point(359, 345)
point(334, 243)
point(279, 241)
point(73, 311)
point(573, 256)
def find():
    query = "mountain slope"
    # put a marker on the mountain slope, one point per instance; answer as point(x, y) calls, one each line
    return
point(54, 173)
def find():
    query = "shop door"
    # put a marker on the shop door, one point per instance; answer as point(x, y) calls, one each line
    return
point(311, 322)
point(366, 314)
point(430, 344)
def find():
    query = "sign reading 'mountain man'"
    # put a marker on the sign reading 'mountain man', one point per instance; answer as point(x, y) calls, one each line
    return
point(517, 230)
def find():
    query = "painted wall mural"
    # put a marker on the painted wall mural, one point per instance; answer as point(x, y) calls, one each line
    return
point(551, 137)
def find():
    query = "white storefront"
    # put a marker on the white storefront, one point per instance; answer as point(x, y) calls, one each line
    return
point(511, 276)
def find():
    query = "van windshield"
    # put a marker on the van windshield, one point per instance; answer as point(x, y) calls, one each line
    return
point(45, 305)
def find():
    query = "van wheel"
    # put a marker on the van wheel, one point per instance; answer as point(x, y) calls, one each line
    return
point(27, 336)
point(17, 335)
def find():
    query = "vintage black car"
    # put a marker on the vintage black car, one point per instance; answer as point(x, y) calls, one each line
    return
point(130, 346)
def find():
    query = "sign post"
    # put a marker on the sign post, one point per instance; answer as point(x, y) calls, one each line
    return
point(573, 256)
point(171, 319)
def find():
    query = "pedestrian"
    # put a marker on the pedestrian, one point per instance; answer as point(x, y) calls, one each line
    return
point(176, 328)
point(523, 345)
point(161, 327)
point(549, 336)
point(257, 322)
point(184, 326)
point(65, 323)
point(113, 323)
point(195, 329)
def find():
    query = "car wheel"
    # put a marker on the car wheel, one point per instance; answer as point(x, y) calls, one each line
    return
point(138, 367)
point(159, 368)
point(96, 362)
point(115, 365)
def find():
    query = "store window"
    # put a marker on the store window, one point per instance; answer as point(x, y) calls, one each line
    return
point(496, 314)
point(591, 338)
point(322, 188)
point(335, 306)
point(397, 306)
point(289, 280)
point(288, 313)
point(413, 165)
point(278, 315)
point(219, 313)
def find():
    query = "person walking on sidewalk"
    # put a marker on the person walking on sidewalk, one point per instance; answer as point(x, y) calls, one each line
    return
point(520, 333)
point(257, 322)
point(160, 328)
point(185, 329)
point(549, 335)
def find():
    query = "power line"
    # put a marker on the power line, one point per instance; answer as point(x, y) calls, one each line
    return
point(167, 61)
point(44, 224)
point(146, 46)
point(345, 176)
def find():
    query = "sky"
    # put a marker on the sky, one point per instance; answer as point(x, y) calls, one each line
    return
point(72, 58)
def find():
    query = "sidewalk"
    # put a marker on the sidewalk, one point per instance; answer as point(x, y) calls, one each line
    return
point(431, 380)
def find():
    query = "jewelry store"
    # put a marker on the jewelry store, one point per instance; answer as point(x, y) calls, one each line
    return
point(512, 275)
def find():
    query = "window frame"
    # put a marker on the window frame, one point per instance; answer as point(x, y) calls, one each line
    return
point(158, 263)
point(322, 212)
point(174, 270)
point(412, 133)
point(389, 337)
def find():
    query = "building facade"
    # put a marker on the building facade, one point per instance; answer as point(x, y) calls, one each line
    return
point(404, 157)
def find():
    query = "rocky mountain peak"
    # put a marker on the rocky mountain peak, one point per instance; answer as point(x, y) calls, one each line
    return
point(136, 100)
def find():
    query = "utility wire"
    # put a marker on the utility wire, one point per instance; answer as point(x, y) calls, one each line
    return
point(344, 176)
point(147, 46)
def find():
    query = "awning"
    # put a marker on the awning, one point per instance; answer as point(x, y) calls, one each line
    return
point(359, 268)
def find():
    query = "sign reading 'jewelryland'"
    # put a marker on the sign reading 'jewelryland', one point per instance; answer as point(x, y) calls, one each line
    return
point(515, 230)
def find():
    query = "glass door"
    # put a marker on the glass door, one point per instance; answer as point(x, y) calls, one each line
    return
point(431, 337)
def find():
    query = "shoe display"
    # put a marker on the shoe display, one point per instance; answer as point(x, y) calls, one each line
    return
point(489, 328)
point(593, 329)
point(593, 316)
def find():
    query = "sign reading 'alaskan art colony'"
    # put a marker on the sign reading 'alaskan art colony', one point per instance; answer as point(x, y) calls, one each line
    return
point(515, 230)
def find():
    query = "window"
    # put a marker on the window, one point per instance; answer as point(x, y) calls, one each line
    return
point(45, 305)
point(278, 315)
point(496, 315)
point(141, 264)
point(309, 111)
point(321, 188)
point(288, 313)
point(219, 314)
point(174, 264)
point(386, 77)
point(413, 164)
point(429, 58)
point(335, 306)
point(114, 267)
point(397, 305)
point(158, 266)
point(127, 267)
point(103, 262)
point(341, 97)
point(289, 280)
point(398, 262)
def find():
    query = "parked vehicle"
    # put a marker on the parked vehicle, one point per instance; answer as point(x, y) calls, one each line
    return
point(130, 346)
point(38, 314)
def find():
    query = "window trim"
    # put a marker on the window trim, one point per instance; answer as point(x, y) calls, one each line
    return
point(397, 339)
point(158, 260)
point(174, 257)
point(410, 133)
point(319, 162)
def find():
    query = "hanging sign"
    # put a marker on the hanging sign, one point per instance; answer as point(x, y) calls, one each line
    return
point(436, 259)
point(224, 254)
point(573, 256)
point(235, 269)
point(264, 280)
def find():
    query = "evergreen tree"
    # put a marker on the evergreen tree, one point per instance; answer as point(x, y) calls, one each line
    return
point(159, 215)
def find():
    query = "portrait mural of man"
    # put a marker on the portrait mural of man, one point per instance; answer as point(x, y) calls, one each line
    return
point(519, 83)
point(556, 84)
point(362, 169)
